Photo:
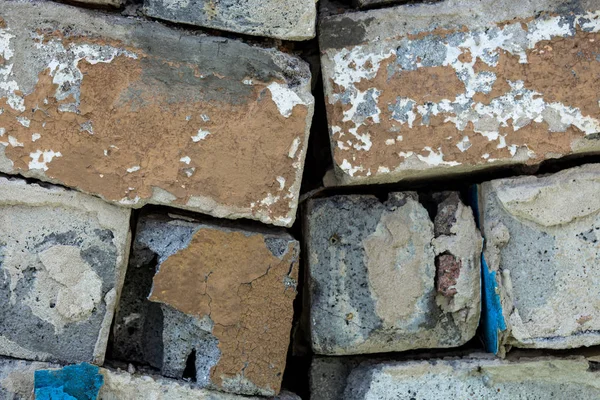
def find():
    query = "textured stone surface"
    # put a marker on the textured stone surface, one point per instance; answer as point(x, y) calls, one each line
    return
point(472, 378)
point(223, 295)
point(139, 113)
point(542, 242)
point(63, 256)
point(329, 376)
point(282, 19)
point(362, 253)
point(17, 383)
point(457, 86)
point(111, 3)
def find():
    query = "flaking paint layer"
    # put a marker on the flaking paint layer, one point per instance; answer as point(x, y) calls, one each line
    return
point(517, 92)
point(117, 120)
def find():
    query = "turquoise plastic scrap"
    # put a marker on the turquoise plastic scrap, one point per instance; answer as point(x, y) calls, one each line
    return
point(73, 382)
point(492, 319)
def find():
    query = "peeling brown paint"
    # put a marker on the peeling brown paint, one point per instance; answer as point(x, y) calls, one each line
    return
point(249, 303)
point(152, 132)
point(563, 70)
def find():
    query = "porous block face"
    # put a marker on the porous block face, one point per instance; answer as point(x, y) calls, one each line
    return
point(541, 240)
point(544, 378)
point(17, 378)
point(457, 86)
point(385, 277)
point(138, 113)
point(63, 256)
point(281, 19)
point(223, 296)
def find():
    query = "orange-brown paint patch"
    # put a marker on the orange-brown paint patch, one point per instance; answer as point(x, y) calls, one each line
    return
point(145, 122)
point(562, 70)
point(240, 284)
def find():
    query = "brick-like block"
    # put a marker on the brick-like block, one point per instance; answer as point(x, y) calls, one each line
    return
point(138, 113)
point(281, 19)
point(220, 295)
point(63, 256)
point(542, 247)
point(385, 277)
point(457, 86)
point(17, 383)
point(474, 378)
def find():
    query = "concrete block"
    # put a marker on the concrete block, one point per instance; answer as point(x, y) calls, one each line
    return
point(17, 383)
point(475, 378)
point(211, 298)
point(212, 125)
point(457, 86)
point(281, 19)
point(362, 253)
point(542, 254)
point(63, 256)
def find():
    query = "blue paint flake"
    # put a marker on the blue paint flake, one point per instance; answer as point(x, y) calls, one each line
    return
point(73, 382)
point(492, 320)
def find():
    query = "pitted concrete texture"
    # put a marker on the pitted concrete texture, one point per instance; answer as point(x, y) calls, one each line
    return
point(542, 239)
point(209, 297)
point(474, 378)
point(63, 256)
point(362, 254)
point(457, 86)
point(17, 382)
point(329, 376)
point(138, 113)
point(281, 19)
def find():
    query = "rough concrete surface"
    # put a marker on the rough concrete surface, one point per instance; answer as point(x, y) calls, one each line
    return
point(138, 113)
point(457, 86)
point(542, 240)
point(63, 256)
point(220, 299)
point(281, 19)
point(110, 3)
point(17, 383)
point(362, 253)
point(474, 378)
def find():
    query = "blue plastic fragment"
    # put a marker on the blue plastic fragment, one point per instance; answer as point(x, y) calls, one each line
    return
point(492, 320)
point(73, 382)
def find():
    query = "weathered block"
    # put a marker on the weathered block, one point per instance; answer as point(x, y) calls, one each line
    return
point(384, 277)
point(110, 3)
point(282, 19)
point(220, 299)
point(474, 378)
point(63, 256)
point(17, 383)
point(457, 86)
point(138, 113)
point(542, 251)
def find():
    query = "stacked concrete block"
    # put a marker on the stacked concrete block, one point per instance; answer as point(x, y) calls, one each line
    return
point(136, 113)
point(542, 250)
point(382, 276)
point(19, 379)
point(281, 19)
point(209, 297)
point(63, 256)
point(458, 86)
point(466, 378)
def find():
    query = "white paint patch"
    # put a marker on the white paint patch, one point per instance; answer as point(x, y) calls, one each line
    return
point(190, 171)
point(24, 121)
point(435, 159)
point(14, 142)
point(35, 136)
point(269, 200)
point(205, 117)
point(201, 135)
point(390, 142)
point(134, 168)
point(248, 82)
point(349, 169)
point(281, 181)
point(284, 98)
point(40, 159)
point(294, 148)
point(185, 159)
